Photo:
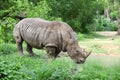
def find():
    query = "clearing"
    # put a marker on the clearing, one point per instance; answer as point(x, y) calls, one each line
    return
point(105, 50)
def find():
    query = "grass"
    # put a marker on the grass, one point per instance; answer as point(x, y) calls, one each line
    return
point(39, 67)
point(89, 36)
point(101, 69)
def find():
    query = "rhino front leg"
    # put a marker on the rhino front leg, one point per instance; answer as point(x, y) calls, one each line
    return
point(51, 51)
point(29, 50)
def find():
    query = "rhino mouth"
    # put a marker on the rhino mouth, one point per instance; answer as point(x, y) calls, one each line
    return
point(80, 62)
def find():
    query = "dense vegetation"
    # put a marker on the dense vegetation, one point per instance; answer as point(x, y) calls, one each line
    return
point(82, 15)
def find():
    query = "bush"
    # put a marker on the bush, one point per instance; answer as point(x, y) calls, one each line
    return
point(104, 24)
point(6, 30)
point(24, 9)
point(114, 15)
point(9, 71)
point(6, 48)
point(80, 36)
point(74, 12)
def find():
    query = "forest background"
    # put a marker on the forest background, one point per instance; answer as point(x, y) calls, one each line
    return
point(84, 16)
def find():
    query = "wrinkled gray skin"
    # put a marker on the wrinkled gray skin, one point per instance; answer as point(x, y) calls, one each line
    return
point(52, 35)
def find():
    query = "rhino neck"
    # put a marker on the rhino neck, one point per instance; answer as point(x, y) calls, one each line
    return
point(71, 47)
point(64, 46)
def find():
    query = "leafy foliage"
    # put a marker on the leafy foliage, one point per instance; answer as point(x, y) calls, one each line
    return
point(79, 14)
point(9, 71)
point(76, 13)
point(103, 24)
point(7, 49)
point(6, 30)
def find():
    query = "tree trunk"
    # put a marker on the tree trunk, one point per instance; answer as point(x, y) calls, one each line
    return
point(106, 13)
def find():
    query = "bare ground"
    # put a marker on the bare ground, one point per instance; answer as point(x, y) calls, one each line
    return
point(108, 33)
point(112, 49)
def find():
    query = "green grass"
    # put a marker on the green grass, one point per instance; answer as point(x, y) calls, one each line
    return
point(101, 69)
point(89, 36)
point(39, 67)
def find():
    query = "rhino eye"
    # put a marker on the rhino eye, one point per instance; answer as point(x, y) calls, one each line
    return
point(77, 51)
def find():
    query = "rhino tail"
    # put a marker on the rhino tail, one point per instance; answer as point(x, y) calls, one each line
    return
point(19, 17)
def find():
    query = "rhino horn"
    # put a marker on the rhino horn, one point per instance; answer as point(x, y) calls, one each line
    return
point(88, 54)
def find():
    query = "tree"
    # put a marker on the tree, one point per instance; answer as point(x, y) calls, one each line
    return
point(79, 14)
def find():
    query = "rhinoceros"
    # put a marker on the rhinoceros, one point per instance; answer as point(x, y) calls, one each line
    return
point(53, 36)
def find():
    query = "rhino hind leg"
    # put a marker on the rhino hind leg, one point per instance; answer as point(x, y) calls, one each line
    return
point(19, 42)
point(29, 50)
point(51, 52)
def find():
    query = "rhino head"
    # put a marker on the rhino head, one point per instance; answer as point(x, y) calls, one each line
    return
point(77, 54)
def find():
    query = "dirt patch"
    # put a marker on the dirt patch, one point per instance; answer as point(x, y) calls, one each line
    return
point(110, 48)
point(108, 33)
point(106, 55)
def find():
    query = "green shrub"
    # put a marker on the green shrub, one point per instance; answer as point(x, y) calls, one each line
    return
point(7, 48)
point(9, 71)
point(80, 36)
point(103, 24)
point(114, 15)
point(6, 30)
